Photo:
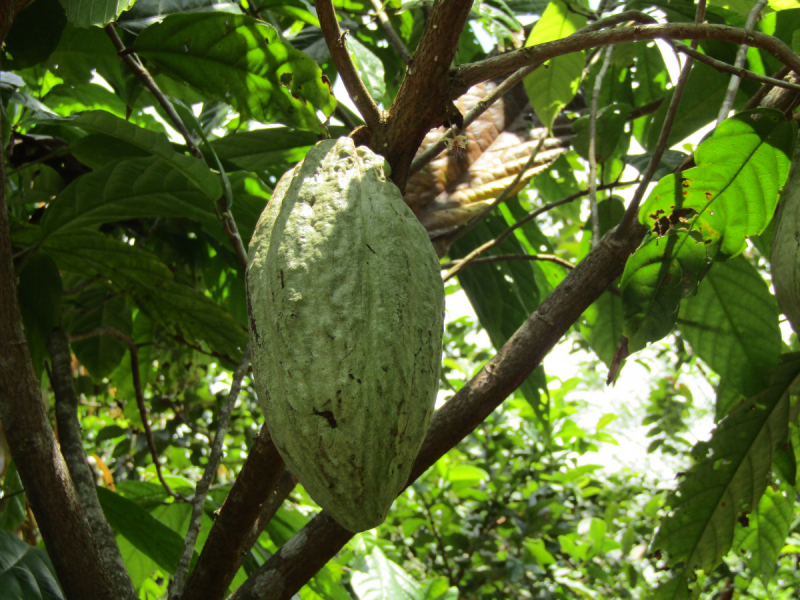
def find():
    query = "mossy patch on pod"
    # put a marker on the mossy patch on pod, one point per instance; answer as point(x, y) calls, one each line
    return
point(346, 305)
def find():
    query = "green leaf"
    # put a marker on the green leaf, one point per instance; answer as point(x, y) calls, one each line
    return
point(727, 397)
point(769, 527)
point(84, 51)
point(733, 190)
point(369, 67)
point(699, 105)
point(242, 61)
point(34, 34)
point(730, 473)
point(13, 511)
point(40, 292)
point(602, 326)
point(661, 272)
point(732, 324)
point(146, 533)
point(257, 150)
point(128, 189)
point(157, 144)
point(552, 86)
point(611, 121)
point(147, 12)
point(26, 572)
point(383, 580)
point(100, 12)
point(102, 353)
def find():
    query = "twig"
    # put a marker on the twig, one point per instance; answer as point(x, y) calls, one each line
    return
point(733, 85)
point(71, 442)
point(137, 386)
point(468, 75)
point(762, 92)
point(138, 69)
point(632, 212)
point(355, 87)
point(504, 195)
point(735, 71)
point(198, 502)
point(432, 151)
point(598, 84)
point(439, 542)
point(627, 16)
point(391, 34)
point(506, 257)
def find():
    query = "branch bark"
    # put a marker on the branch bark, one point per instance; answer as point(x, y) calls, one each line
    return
point(466, 76)
point(48, 486)
point(302, 556)
point(219, 560)
point(71, 442)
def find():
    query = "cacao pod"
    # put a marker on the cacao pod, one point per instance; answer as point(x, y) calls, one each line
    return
point(785, 260)
point(346, 305)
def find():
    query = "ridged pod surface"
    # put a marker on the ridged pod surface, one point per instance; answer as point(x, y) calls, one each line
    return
point(785, 261)
point(346, 305)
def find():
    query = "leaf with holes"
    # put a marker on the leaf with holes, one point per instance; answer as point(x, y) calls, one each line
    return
point(242, 61)
point(732, 192)
point(730, 473)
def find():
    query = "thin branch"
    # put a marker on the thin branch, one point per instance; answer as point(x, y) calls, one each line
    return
point(468, 75)
point(632, 212)
point(598, 84)
point(741, 54)
point(506, 257)
point(201, 490)
point(450, 577)
point(355, 87)
point(144, 76)
point(762, 92)
point(71, 442)
point(464, 262)
point(391, 34)
point(137, 386)
point(504, 195)
point(628, 16)
point(735, 71)
point(432, 151)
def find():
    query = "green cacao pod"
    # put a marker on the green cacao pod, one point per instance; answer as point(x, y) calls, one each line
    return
point(785, 252)
point(346, 305)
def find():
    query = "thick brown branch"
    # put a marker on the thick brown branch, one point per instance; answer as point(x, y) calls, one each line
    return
point(62, 521)
point(466, 76)
point(302, 556)
point(424, 99)
point(71, 442)
point(219, 560)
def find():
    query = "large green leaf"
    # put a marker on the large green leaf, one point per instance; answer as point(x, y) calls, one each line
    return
point(147, 12)
point(180, 310)
point(732, 324)
point(155, 143)
point(242, 61)
point(128, 189)
point(730, 473)
point(382, 579)
point(40, 292)
point(146, 533)
point(97, 12)
point(552, 86)
point(34, 34)
point(100, 354)
point(704, 214)
point(26, 572)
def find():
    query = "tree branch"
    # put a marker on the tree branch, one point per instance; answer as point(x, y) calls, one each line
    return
point(506, 257)
point(48, 486)
point(303, 555)
point(71, 442)
point(337, 45)
point(225, 546)
point(466, 76)
point(201, 490)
